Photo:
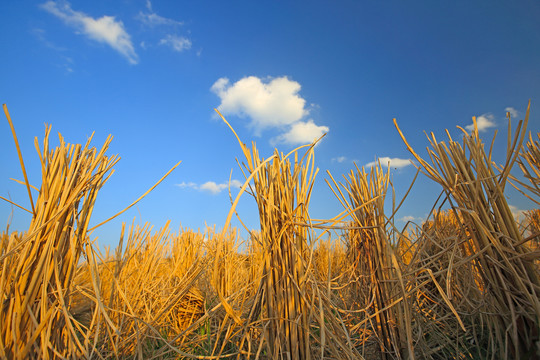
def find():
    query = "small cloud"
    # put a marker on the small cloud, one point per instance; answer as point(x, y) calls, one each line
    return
point(518, 214)
point(236, 183)
point(483, 122)
point(211, 186)
point(513, 112)
point(177, 43)
point(271, 103)
point(151, 19)
point(187, 185)
point(105, 29)
point(412, 219)
point(390, 162)
point(302, 133)
point(339, 159)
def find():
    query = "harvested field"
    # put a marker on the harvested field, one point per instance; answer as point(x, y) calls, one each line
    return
point(465, 284)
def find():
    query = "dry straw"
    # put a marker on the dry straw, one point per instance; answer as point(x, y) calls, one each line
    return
point(529, 162)
point(375, 262)
point(512, 286)
point(296, 318)
point(463, 285)
point(37, 290)
point(39, 268)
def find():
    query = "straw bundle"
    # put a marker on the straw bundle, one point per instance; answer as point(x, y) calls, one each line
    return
point(293, 309)
point(35, 320)
point(511, 280)
point(374, 259)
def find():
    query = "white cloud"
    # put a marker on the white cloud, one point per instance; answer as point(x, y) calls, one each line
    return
point(513, 112)
point(275, 103)
point(187, 185)
point(339, 159)
point(106, 29)
point(211, 186)
point(518, 214)
point(392, 162)
point(150, 18)
point(269, 103)
point(301, 133)
point(483, 122)
point(412, 219)
point(177, 43)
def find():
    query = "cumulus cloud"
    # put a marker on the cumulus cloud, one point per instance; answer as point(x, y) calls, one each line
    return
point(301, 133)
point(513, 112)
point(483, 122)
point(391, 162)
point(105, 29)
point(272, 104)
point(211, 186)
point(177, 43)
point(269, 103)
point(151, 19)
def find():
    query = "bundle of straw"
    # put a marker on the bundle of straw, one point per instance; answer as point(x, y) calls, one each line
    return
point(35, 319)
point(295, 310)
point(374, 259)
point(511, 280)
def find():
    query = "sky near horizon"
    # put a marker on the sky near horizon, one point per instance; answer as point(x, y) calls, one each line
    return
point(281, 72)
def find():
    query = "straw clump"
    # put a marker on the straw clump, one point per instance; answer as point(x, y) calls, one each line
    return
point(37, 289)
point(469, 177)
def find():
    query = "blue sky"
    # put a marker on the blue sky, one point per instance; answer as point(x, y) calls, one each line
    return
point(282, 72)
